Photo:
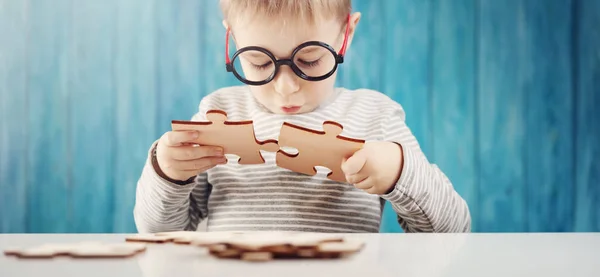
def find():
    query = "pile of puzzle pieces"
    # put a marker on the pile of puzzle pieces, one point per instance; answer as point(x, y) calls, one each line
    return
point(325, 148)
point(251, 246)
point(260, 246)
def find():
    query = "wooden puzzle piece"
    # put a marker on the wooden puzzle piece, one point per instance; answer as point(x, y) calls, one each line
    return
point(78, 250)
point(316, 148)
point(247, 246)
point(213, 238)
point(235, 137)
point(257, 256)
point(226, 251)
point(182, 237)
point(150, 238)
point(314, 239)
point(342, 247)
point(116, 250)
point(257, 246)
point(265, 246)
point(164, 237)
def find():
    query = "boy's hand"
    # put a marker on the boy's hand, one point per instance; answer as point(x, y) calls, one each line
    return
point(180, 159)
point(375, 168)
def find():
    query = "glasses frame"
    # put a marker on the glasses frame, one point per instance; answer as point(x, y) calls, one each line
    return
point(339, 58)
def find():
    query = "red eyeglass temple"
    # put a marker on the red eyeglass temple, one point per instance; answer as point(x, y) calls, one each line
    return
point(342, 51)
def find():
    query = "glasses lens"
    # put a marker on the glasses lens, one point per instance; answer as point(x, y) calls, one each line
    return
point(314, 60)
point(254, 66)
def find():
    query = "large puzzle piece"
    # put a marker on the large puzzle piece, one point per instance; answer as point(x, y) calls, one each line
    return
point(236, 137)
point(79, 250)
point(316, 148)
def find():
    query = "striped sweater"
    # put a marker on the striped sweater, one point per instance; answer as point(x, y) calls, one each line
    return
point(263, 197)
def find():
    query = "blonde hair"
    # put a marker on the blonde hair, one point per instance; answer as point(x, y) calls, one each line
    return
point(306, 11)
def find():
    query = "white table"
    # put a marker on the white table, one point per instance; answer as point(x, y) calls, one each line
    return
point(401, 255)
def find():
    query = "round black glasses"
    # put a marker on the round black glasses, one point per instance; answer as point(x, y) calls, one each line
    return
point(311, 61)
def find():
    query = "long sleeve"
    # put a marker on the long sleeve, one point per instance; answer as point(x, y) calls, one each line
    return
point(423, 197)
point(163, 206)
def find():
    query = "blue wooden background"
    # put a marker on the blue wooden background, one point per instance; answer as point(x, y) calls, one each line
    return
point(503, 95)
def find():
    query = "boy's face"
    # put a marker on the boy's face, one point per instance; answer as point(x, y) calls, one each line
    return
point(287, 93)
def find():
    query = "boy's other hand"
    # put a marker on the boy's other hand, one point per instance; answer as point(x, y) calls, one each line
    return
point(180, 159)
point(375, 168)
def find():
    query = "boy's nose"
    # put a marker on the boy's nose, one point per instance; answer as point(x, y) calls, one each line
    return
point(286, 81)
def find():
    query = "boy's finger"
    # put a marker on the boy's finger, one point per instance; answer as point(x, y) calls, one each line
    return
point(200, 170)
point(198, 164)
point(356, 178)
point(355, 163)
point(177, 138)
point(188, 153)
point(364, 184)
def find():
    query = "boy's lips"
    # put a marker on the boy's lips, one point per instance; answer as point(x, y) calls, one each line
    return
point(290, 109)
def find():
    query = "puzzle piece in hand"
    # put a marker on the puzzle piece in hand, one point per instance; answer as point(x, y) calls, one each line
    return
point(316, 148)
point(79, 250)
point(236, 137)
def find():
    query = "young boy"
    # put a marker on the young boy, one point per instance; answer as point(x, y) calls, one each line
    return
point(288, 53)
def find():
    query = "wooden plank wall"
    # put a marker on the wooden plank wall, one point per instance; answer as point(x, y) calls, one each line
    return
point(14, 121)
point(502, 95)
point(586, 60)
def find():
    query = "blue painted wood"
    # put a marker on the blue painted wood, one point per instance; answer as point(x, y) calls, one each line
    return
point(404, 60)
point(513, 70)
point(362, 69)
point(179, 25)
point(13, 116)
point(4, 98)
point(212, 38)
point(453, 97)
point(93, 114)
point(546, 83)
point(362, 64)
point(587, 126)
point(502, 88)
point(48, 189)
point(406, 63)
point(135, 72)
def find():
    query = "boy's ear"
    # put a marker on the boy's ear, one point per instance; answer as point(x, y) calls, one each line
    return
point(354, 19)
